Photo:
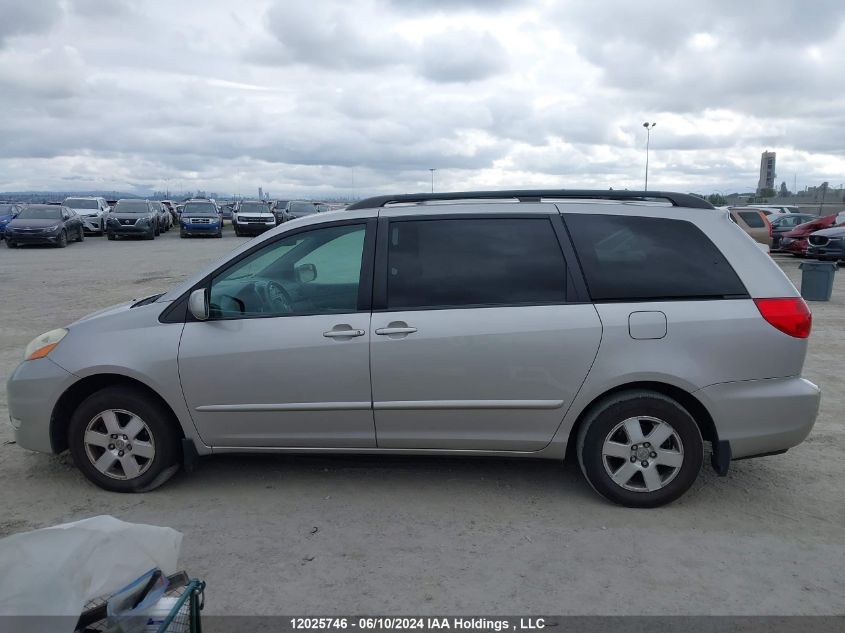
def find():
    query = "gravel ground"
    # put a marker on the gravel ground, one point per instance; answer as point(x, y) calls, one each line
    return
point(441, 535)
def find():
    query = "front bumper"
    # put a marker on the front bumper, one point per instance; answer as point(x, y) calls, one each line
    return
point(795, 246)
point(831, 250)
point(33, 390)
point(762, 416)
point(201, 229)
point(33, 238)
point(92, 223)
point(255, 228)
point(129, 229)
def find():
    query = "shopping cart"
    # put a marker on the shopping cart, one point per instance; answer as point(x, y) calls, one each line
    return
point(184, 617)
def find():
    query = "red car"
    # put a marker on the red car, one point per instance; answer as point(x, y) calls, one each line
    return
point(795, 241)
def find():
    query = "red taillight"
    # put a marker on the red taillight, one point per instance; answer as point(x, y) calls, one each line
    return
point(790, 315)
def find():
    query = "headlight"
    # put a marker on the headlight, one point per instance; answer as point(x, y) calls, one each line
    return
point(42, 345)
point(55, 227)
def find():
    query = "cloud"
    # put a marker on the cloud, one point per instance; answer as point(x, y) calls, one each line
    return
point(462, 55)
point(27, 17)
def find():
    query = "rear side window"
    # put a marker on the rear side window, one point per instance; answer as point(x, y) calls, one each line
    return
point(463, 262)
point(639, 259)
point(752, 219)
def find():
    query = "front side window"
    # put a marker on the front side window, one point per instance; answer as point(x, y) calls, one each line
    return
point(474, 262)
point(314, 272)
point(628, 258)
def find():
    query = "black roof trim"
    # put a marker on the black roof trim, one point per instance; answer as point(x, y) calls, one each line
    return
point(534, 195)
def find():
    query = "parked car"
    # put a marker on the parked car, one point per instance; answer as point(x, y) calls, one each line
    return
point(111, 204)
point(133, 218)
point(630, 333)
point(796, 240)
point(784, 223)
point(200, 217)
point(278, 208)
point(827, 244)
point(171, 206)
point(226, 211)
point(253, 217)
point(8, 212)
point(297, 209)
point(44, 224)
point(92, 211)
point(164, 219)
point(754, 222)
point(778, 208)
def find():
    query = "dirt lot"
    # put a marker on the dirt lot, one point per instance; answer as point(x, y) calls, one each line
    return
point(437, 535)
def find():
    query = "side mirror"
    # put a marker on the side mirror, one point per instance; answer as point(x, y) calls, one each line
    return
point(198, 304)
point(306, 273)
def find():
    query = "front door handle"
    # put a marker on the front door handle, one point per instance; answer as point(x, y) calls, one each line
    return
point(346, 333)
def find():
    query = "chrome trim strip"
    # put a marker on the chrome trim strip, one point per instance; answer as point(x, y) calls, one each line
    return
point(402, 405)
point(287, 406)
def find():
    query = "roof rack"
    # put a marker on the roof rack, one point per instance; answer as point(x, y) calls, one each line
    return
point(535, 195)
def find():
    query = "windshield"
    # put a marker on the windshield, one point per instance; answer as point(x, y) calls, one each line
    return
point(80, 203)
point(200, 208)
point(132, 206)
point(302, 207)
point(253, 207)
point(41, 213)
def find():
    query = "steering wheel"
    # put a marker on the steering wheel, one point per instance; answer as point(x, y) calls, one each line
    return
point(279, 298)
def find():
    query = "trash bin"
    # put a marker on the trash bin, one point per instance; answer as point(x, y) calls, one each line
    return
point(817, 280)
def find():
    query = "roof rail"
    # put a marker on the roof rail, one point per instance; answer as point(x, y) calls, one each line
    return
point(535, 195)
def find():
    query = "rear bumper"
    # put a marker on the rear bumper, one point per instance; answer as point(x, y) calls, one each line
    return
point(762, 416)
point(33, 390)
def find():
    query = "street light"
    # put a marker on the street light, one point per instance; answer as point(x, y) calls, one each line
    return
point(648, 128)
point(432, 170)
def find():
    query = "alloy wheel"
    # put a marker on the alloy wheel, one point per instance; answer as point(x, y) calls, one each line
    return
point(119, 444)
point(642, 454)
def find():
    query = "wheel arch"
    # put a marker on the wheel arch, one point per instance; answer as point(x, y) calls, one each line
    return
point(78, 391)
point(686, 399)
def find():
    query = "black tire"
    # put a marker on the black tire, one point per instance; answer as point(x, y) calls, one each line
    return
point(163, 429)
point(81, 236)
point(602, 420)
point(157, 230)
point(237, 232)
point(219, 233)
point(62, 239)
point(151, 235)
point(110, 235)
point(183, 234)
point(11, 244)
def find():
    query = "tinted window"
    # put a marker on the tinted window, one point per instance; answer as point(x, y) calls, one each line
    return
point(254, 207)
point(132, 206)
point(443, 263)
point(81, 203)
point(752, 219)
point(636, 258)
point(200, 208)
point(40, 213)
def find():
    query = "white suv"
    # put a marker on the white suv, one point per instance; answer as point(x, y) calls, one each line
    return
point(252, 217)
point(92, 211)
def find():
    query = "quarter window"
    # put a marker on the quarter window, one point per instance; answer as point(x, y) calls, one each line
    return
point(628, 258)
point(752, 219)
point(474, 262)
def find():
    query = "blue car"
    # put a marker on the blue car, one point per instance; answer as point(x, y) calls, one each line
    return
point(8, 212)
point(201, 217)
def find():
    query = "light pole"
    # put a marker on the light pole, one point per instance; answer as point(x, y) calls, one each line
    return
point(648, 126)
point(432, 170)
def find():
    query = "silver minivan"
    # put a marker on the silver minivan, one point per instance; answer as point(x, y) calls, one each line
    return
point(626, 329)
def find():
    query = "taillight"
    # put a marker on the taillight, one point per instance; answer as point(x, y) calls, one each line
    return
point(790, 315)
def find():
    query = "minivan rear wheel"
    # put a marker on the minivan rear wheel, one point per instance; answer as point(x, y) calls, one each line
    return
point(124, 441)
point(640, 449)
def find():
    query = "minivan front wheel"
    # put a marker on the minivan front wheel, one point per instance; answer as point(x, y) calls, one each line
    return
point(124, 441)
point(640, 449)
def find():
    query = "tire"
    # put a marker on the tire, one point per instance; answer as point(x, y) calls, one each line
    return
point(151, 235)
point(219, 233)
point(604, 446)
point(11, 244)
point(182, 234)
point(237, 232)
point(157, 230)
point(110, 236)
point(158, 436)
point(62, 239)
point(81, 236)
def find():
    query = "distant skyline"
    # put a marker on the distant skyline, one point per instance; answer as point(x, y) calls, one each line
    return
point(366, 96)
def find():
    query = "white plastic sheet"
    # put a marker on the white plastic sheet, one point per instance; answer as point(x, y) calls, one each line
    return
point(53, 572)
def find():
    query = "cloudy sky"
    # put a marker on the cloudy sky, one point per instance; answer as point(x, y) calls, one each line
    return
point(357, 97)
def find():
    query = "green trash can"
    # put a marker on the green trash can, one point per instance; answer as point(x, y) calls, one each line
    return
point(817, 280)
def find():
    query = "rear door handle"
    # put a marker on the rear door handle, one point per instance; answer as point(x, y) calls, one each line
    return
point(387, 331)
point(343, 333)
